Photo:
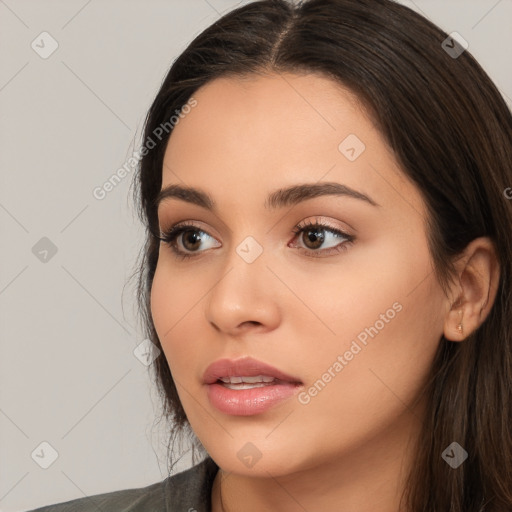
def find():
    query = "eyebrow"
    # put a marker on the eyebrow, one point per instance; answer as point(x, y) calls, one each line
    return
point(279, 198)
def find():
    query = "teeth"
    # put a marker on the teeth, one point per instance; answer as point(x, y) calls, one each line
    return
point(232, 380)
point(257, 379)
point(246, 385)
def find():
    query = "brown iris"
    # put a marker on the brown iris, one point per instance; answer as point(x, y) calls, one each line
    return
point(192, 237)
point(315, 236)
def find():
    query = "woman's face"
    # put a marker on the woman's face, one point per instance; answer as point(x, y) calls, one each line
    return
point(351, 309)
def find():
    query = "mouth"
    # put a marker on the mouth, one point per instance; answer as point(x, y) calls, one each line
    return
point(245, 387)
point(245, 371)
point(246, 382)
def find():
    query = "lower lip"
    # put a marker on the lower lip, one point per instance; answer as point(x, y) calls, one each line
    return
point(246, 402)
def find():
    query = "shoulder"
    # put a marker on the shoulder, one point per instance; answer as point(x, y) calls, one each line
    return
point(188, 491)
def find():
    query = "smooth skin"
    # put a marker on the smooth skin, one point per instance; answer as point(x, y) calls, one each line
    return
point(300, 305)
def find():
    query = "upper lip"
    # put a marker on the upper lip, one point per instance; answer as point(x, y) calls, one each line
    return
point(245, 367)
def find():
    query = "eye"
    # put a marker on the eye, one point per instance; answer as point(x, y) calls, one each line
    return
point(315, 235)
point(185, 237)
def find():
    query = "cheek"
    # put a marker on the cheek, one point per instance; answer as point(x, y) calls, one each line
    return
point(381, 308)
point(171, 308)
point(162, 306)
point(375, 380)
point(350, 295)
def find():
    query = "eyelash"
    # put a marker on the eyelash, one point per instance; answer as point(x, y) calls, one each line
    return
point(169, 238)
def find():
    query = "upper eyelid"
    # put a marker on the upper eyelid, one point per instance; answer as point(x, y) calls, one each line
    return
point(183, 224)
point(318, 222)
point(299, 226)
point(161, 214)
point(317, 219)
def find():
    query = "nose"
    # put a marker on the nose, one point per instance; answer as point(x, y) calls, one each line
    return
point(245, 298)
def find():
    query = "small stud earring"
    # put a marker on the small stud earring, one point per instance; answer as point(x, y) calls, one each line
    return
point(459, 327)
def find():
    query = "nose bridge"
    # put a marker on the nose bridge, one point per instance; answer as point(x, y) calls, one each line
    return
point(244, 292)
point(245, 272)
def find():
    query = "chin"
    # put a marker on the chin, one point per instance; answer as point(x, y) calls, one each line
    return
point(258, 457)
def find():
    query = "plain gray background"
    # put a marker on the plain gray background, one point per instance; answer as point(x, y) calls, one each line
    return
point(69, 376)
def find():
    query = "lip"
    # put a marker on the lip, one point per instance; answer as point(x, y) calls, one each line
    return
point(247, 402)
point(246, 366)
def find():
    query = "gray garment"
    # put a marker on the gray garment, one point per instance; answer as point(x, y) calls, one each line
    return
point(188, 491)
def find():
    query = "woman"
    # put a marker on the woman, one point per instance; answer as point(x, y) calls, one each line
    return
point(327, 268)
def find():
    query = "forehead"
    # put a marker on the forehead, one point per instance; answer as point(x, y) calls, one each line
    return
point(258, 132)
point(299, 105)
point(267, 121)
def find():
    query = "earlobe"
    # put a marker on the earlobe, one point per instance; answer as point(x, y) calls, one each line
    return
point(478, 278)
point(454, 328)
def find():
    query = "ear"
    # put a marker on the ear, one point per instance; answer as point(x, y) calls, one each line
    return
point(478, 275)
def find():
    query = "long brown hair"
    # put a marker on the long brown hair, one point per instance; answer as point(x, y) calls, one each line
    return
point(451, 132)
